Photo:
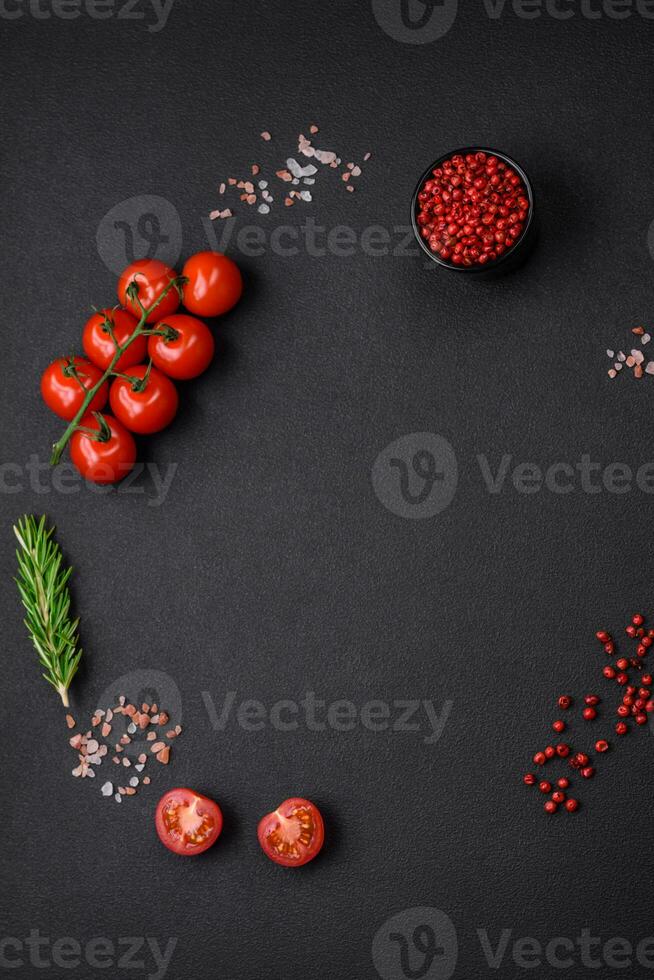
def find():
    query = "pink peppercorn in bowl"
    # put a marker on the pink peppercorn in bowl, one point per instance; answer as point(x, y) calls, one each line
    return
point(473, 212)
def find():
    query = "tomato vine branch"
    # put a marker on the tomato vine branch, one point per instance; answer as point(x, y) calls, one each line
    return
point(132, 292)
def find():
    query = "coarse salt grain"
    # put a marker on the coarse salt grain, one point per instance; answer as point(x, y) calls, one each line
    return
point(325, 156)
point(70, 721)
point(610, 353)
point(107, 789)
point(645, 339)
point(611, 373)
point(263, 209)
point(266, 136)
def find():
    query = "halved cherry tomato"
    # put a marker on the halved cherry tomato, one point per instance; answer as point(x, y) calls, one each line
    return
point(145, 409)
point(64, 384)
point(152, 277)
point(187, 822)
point(98, 343)
point(103, 460)
point(215, 284)
point(293, 834)
point(189, 353)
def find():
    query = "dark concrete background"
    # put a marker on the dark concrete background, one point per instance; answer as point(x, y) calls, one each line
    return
point(272, 568)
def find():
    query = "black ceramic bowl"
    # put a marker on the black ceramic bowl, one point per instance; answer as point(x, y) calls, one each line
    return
point(512, 258)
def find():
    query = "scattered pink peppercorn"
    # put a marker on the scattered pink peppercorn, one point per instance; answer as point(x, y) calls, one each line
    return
point(529, 779)
point(621, 728)
point(540, 759)
point(571, 805)
point(589, 714)
point(592, 700)
point(558, 726)
point(562, 750)
point(551, 806)
point(601, 745)
point(558, 796)
point(564, 702)
point(550, 752)
point(545, 787)
point(638, 620)
point(588, 772)
point(603, 636)
point(563, 783)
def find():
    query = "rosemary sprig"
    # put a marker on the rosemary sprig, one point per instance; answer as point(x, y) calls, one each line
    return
point(43, 587)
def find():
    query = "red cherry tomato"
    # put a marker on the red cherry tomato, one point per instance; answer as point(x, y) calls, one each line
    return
point(187, 822)
point(152, 277)
point(65, 382)
point(293, 834)
point(148, 410)
point(98, 343)
point(214, 286)
point(189, 354)
point(103, 461)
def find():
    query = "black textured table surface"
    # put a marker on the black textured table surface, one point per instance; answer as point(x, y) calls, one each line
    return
point(276, 546)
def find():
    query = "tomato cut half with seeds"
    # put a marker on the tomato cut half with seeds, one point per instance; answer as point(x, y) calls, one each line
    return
point(293, 834)
point(187, 822)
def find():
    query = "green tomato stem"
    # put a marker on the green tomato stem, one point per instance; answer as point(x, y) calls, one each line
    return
point(60, 445)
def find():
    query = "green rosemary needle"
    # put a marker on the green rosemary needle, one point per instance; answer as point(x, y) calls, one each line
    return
point(43, 587)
